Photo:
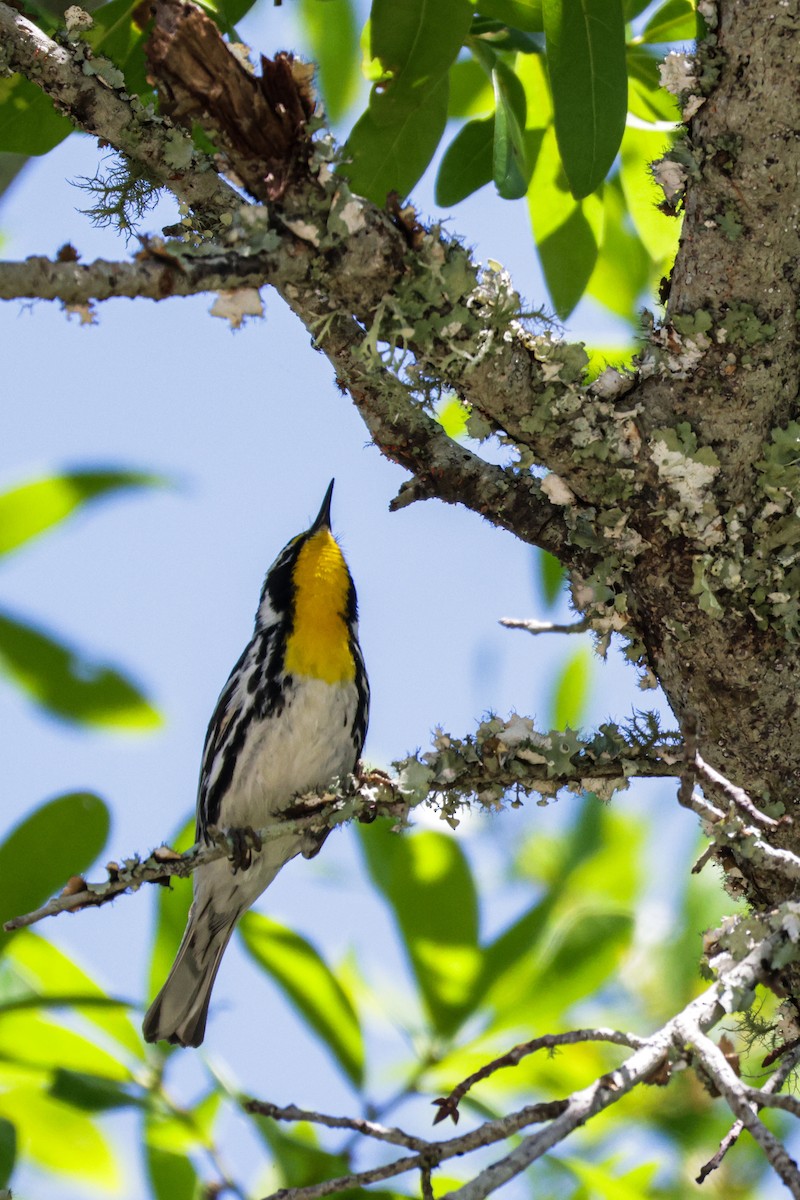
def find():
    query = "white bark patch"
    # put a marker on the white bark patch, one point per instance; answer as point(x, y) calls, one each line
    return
point(352, 216)
point(236, 306)
point(670, 177)
point(677, 73)
point(557, 491)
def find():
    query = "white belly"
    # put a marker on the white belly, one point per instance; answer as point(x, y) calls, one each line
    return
point(302, 750)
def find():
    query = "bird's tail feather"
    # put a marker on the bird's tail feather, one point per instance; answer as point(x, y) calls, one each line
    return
point(178, 1013)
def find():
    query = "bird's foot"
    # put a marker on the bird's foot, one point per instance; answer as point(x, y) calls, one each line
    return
point(243, 841)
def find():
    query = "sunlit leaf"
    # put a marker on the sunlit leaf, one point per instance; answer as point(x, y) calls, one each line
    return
point(453, 415)
point(32, 1040)
point(333, 38)
point(675, 21)
point(467, 163)
point(60, 1138)
point(623, 270)
point(32, 508)
point(60, 839)
point(429, 887)
point(471, 93)
point(531, 72)
point(8, 1150)
point(586, 64)
point(519, 14)
point(50, 973)
point(658, 232)
point(68, 684)
point(571, 690)
point(605, 1181)
point(185, 1130)
point(28, 122)
point(311, 986)
point(647, 99)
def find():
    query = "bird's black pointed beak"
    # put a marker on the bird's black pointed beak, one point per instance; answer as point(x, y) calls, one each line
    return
point(323, 520)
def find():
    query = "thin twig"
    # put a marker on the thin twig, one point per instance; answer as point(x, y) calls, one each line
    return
point(448, 1105)
point(382, 1133)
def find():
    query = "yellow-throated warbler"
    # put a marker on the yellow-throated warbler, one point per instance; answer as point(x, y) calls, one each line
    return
point(291, 718)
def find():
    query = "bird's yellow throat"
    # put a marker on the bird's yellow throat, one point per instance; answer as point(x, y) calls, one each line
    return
point(319, 644)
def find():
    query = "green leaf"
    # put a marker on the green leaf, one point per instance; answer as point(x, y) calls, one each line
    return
point(453, 415)
point(517, 14)
point(172, 1176)
point(31, 1040)
point(571, 691)
point(68, 684)
point(32, 508)
point(586, 63)
point(675, 21)
point(415, 44)
point(568, 232)
point(427, 883)
point(298, 1156)
point(311, 986)
point(658, 232)
point(61, 838)
point(551, 576)
point(333, 37)
point(28, 122)
point(228, 13)
point(8, 1150)
point(60, 1138)
point(467, 164)
point(509, 166)
point(623, 270)
point(52, 975)
point(92, 1093)
point(605, 1181)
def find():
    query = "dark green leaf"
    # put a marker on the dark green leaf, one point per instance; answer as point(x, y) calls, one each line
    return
point(92, 1093)
point(634, 7)
point(391, 146)
point(67, 683)
point(518, 14)
point(414, 44)
point(510, 170)
point(311, 986)
point(427, 882)
point(61, 838)
point(298, 1155)
point(227, 13)
point(8, 1150)
point(467, 163)
point(583, 955)
point(551, 576)
point(32, 508)
point(586, 62)
point(28, 122)
point(675, 21)
point(333, 37)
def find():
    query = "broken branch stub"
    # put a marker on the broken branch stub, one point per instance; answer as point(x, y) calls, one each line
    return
point(258, 122)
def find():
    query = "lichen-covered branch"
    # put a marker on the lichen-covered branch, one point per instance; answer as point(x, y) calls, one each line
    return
point(502, 758)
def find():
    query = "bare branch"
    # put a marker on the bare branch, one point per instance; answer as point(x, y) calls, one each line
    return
point(533, 626)
point(738, 795)
point(381, 1133)
point(729, 830)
